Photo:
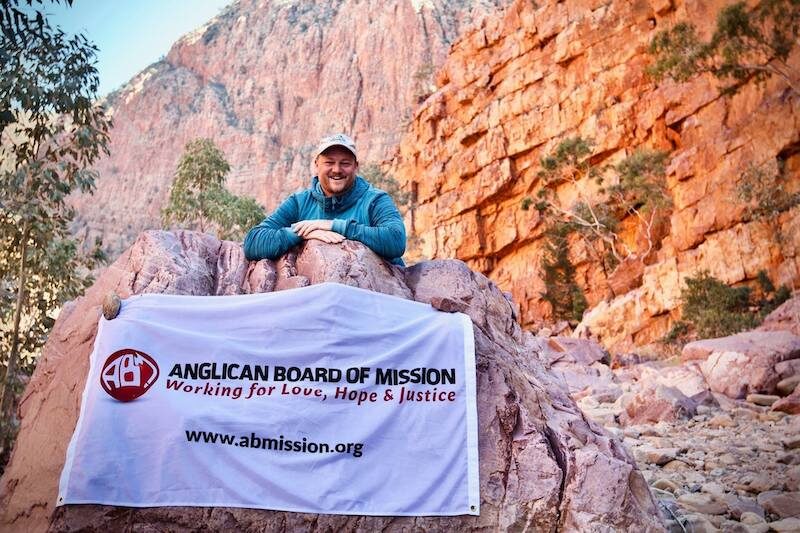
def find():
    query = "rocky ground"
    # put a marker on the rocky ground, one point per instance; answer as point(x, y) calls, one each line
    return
point(734, 468)
point(715, 431)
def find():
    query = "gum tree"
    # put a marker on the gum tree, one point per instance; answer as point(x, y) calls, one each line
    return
point(51, 132)
point(746, 44)
point(198, 197)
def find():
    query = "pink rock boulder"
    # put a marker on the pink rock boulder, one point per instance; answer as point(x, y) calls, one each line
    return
point(543, 466)
point(744, 363)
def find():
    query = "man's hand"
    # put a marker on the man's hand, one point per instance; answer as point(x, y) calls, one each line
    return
point(330, 237)
point(305, 227)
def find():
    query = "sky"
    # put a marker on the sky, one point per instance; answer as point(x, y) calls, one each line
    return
point(131, 34)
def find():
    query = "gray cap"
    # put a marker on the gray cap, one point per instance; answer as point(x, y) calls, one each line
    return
point(337, 139)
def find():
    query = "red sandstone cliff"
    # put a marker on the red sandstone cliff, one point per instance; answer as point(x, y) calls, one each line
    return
point(516, 86)
point(265, 80)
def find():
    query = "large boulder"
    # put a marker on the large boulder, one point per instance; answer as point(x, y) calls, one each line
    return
point(785, 318)
point(543, 466)
point(656, 403)
point(789, 404)
point(580, 366)
point(745, 363)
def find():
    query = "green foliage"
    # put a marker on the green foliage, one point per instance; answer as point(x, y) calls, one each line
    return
point(381, 180)
point(561, 291)
point(633, 189)
point(50, 134)
point(198, 197)
point(677, 332)
point(572, 153)
point(746, 44)
point(636, 190)
point(641, 186)
point(766, 191)
point(713, 309)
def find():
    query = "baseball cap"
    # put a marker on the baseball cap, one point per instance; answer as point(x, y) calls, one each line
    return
point(337, 139)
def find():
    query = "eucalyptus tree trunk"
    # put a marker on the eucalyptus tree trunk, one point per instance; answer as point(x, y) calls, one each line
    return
point(13, 357)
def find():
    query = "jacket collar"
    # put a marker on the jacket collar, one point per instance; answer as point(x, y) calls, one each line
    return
point(339, 202)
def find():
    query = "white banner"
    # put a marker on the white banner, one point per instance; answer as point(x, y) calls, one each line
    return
point(324, 399)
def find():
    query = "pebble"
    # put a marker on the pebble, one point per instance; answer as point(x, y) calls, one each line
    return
point(788, 458)
point(655, 456)
point(713, 488)
point(737, 506)
point(731, 526)
point(739, 412)
point(782, 504)
point(787, 524)
point(702, 503)
point(721, 421)
point(751, 519)
point(771, 416)
point(761, 483)
point(792, 478)
point(667, 485)
point(792, 443)
point(704, 409)
point(699, 524)
point(762, 399)
point(786, 386)
point(676, 465)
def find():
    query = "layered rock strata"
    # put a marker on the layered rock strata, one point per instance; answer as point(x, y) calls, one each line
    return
point(543, 466)
point(266, 80)
point(512, 89)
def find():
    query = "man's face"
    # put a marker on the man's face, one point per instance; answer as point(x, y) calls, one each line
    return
point(336, 169)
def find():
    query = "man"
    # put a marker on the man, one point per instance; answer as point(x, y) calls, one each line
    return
point(339, 205)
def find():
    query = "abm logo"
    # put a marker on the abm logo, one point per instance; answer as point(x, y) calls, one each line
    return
point(128, 373)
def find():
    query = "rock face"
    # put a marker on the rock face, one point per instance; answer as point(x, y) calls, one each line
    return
point(516, 86)
point(543, 466)
point(266, 80)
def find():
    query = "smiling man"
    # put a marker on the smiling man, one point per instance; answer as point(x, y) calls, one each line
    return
point(338, 205)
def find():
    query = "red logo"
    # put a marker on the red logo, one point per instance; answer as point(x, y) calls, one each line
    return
point(128, 374)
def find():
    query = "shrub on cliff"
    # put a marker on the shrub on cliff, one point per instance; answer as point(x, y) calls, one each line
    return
point(711, 309)
point(558, 273)
point(746, 44)
point(616, 210)
point(767, 190)
point(198, 197)
point(604, 196)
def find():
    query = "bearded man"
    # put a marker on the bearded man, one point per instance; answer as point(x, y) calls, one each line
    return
point(338, 205)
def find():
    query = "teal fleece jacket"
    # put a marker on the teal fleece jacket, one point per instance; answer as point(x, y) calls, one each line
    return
point(363, 214)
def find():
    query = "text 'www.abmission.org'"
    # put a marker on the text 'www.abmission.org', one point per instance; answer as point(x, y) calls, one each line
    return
point(279, 444)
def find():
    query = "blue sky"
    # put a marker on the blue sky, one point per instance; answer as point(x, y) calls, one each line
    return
point(131, 34)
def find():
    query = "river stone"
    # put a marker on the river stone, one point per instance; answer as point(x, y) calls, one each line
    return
point(762, 399)
point(786, 525)
point(787, 386)
point(782, 504)
point(702, 503)
point(542, 465)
